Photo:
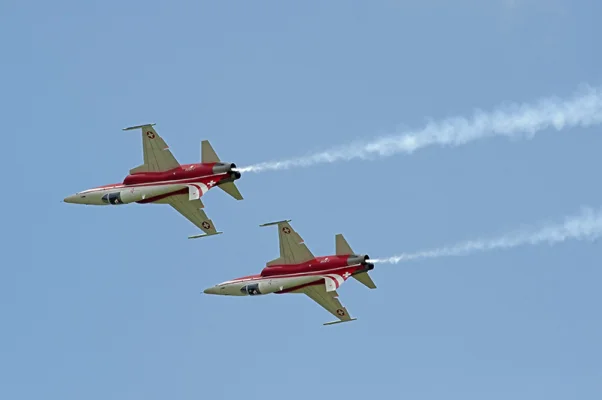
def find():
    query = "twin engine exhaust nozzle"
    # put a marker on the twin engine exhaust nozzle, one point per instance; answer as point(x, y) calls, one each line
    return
point(222, 168)
point(360, 259)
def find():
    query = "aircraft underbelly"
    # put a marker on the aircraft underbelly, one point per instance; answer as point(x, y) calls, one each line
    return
point(288, 283)
point(128, 194)
point(139, 193)
point(154, 191)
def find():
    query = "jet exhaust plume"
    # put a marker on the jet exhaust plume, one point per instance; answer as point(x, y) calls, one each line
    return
point(584, 109)
point(585, 226)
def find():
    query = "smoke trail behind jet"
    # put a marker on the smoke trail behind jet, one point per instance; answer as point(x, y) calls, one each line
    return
point(583, 109)
point(585, 226)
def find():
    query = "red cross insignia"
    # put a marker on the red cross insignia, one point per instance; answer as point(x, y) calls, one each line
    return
point(340, 312)
point(206, 225)
point(286, 230)
point(150, 135)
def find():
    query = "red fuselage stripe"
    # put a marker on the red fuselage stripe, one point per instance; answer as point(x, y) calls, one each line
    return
point(161, 183)
point(317, 273)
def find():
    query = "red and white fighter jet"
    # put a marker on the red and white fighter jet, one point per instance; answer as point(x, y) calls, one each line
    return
point(297, 270)
point(162, 180)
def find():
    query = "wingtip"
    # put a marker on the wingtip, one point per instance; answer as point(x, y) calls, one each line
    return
point(275, 222)
point(129, 128)
point(204, 235)
point(339, 322)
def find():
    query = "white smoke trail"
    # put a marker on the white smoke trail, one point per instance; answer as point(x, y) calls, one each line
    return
point(585, 226)
point(514, 120)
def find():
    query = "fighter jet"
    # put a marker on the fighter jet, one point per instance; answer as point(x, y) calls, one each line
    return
point(162, 180)
point(297, 270)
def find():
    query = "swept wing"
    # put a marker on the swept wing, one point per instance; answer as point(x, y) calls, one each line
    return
point(156, 153)
point(292, 248)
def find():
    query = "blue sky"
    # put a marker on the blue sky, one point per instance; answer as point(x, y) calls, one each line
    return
point(103, 303)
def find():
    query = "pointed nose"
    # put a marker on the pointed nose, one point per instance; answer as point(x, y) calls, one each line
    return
point(211, 290)
point(69, 199)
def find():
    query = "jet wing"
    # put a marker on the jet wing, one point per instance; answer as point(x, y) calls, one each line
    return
point(191, 210)
point(292, 248)
point(157, 156)
point(328, 300)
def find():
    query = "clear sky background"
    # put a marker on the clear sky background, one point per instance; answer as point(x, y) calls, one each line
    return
point(99, 303)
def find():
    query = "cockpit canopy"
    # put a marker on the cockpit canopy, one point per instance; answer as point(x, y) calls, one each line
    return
point(112, 198)
point(251, 290)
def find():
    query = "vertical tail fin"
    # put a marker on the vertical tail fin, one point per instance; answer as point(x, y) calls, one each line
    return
point(343, 248)
point(208, 155)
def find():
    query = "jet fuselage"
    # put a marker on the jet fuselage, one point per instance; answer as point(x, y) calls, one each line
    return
point(329, 270)
point(149, 187)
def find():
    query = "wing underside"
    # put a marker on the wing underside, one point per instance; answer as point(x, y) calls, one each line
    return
point(191, 210)
point(156, 153)
point(328, 300)
point(292, 248)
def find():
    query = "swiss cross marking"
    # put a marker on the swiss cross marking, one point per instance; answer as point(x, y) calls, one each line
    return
point(286, 230)
point(150, 135)
point(340, 312)
point(206, 225)
point(210, 183)
point(346, 275)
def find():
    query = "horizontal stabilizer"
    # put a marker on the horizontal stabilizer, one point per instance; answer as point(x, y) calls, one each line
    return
point(365, 279)
point(339, 322)
point(231, 189)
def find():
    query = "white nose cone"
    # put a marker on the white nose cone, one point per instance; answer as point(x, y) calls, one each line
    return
point(211, 290)
point(70, 199)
